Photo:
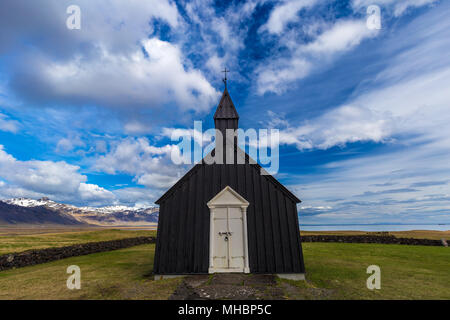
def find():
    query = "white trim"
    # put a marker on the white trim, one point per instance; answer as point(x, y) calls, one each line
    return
point(214, 203)
point(244, 224)
point(211, 237)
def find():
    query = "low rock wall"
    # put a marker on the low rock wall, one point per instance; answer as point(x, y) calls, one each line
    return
point(371, 239)
point(37, 256)
point(32, 257)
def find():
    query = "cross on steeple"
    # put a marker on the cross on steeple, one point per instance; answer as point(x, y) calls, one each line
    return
point(226, 116)
point(225, 79)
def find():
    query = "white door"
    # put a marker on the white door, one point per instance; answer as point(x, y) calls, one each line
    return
point(228, 245)
point(229, 239)
point(221, 257)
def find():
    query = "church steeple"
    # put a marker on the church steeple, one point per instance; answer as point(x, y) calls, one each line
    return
point(226, 116)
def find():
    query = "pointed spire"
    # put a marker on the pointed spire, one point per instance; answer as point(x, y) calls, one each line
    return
point(226, 116)
point(226, 109)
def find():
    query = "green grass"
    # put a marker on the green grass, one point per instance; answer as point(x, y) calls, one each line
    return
point(334, 271)
point(338, 271)
point(22, 242)
point(120, 274)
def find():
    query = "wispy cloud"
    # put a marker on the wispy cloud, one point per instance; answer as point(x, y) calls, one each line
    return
point(429, 183)
point(304, 58)
point(285, 13)
point(388, 191)
point(398, 7)
point(8, 125)
point(150, 165)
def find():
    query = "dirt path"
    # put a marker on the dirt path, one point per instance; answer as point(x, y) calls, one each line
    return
point(228, 286)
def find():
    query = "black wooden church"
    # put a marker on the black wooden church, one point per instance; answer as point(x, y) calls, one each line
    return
point(228, 218)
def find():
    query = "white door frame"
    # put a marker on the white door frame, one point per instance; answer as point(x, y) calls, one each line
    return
point(238, 202)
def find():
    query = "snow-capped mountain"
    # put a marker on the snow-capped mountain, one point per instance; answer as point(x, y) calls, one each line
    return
point(11, 214)
point(104, 216)
point(26, 202)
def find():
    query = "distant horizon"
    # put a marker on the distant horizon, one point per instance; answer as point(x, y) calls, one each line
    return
point(376, 227)
point(376, 224)
point(300, 218)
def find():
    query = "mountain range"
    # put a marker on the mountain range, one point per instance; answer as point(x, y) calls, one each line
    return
point(46, 211)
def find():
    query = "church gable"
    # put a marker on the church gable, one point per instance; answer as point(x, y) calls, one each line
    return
point(256, 167)
point(228, 197)
point(241, 158)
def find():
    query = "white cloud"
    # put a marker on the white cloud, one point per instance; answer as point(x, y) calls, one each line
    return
point(94, 193)
point(398, 7)
point(109, 62)
point(216, 63)
point(157, 180)
point(417, 106)
point(150, 165)
point(355, 188)
point(136, 127)
point(139, 197)
point(345, 124)
point(8, 125)
point(221, 34)
point(68, 144)
point(304, 58)
point(152, 79)
point(58, 180)
point(278, 75)
point(40, 176)
point(343, 36)
point(402, 6)
point(285, 13)
point(113, 24)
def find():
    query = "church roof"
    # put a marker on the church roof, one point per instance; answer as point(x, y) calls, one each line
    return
point(226, 109)
point(248, 162)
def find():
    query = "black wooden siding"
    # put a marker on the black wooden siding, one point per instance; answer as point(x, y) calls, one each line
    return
point(183, 230)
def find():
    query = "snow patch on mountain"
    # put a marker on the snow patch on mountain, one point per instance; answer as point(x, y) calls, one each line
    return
point(105, 216)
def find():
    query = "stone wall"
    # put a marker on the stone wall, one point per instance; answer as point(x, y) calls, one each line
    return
point(371, 239)
point(32, 257)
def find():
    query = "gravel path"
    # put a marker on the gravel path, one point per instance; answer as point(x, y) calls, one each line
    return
point(233, 286)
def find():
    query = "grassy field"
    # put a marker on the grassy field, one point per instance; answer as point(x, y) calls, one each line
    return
point(338, 271)
point(120, 274)
point(22, 238)
point(17, 240)
point(334, 271)
point(418, 234)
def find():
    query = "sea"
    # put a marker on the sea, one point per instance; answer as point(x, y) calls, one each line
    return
point(374, 227)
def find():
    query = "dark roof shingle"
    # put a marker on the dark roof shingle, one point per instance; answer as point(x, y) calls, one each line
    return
point(226, 109)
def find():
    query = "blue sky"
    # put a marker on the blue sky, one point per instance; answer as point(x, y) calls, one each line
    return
point(86, 115)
